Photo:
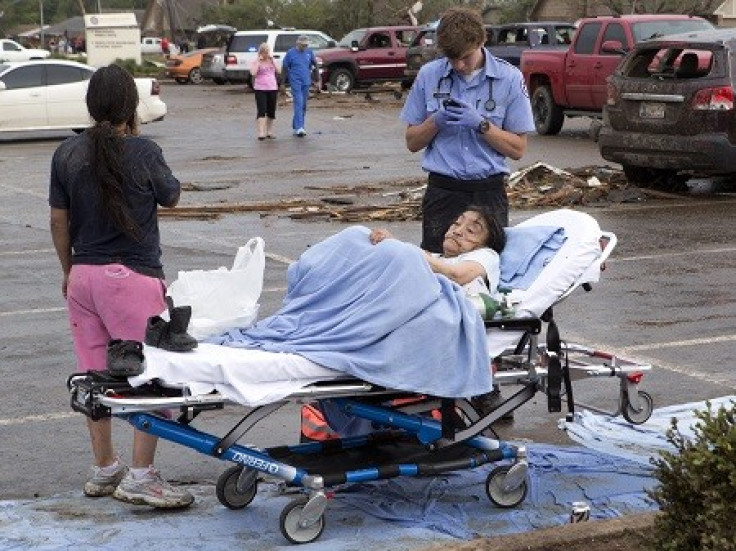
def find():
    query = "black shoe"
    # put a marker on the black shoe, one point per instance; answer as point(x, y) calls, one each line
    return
point(486, 403)
point(124, 358)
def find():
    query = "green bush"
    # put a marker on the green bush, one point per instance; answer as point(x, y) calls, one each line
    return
point(697, 486)
point(146, 69)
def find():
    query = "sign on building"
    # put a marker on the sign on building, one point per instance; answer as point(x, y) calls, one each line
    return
point(111, 36)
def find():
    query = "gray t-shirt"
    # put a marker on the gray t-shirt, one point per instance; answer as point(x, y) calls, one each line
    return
point(148, 182)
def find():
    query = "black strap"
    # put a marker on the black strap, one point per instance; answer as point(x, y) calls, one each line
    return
point(554, 368)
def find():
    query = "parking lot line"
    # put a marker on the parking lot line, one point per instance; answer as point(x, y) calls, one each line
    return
point(37, 418)
point(689, 342)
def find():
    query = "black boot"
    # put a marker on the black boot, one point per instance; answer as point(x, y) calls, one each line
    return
point(177, 339)
point(171, 335)
point(156, 328)
point(124, 358)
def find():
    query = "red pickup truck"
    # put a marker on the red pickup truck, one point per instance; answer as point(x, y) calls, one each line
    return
point(572, 82)
point(366, 56)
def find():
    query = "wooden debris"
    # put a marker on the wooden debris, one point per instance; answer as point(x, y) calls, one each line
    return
point(538, 185)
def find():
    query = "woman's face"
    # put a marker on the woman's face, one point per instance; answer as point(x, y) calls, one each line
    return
point(467, 233)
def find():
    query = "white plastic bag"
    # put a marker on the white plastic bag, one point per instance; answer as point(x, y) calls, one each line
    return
point(222, 298)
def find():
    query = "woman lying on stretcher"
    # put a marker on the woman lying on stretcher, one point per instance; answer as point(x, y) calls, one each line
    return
point(470, 257)
point(470, 251)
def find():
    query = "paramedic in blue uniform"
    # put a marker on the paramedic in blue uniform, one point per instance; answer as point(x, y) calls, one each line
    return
point(468, 111)
point(300, 65)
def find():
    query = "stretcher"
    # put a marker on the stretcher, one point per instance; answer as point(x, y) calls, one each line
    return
point(410, 434)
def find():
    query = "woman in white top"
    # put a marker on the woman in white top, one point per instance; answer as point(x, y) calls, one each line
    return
point(470, 250)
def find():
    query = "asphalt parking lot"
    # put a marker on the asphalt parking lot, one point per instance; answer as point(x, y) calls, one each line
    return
point(667, 297)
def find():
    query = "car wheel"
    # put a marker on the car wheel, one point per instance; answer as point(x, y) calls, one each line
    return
point(342, 80)
point(548, 116)
point(195, 76)
point(181, 80)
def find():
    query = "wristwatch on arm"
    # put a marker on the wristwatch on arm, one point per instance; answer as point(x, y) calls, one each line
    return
point(484, 126)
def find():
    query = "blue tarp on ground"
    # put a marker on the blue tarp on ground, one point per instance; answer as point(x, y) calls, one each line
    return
point(403, 513)
point(398, 514)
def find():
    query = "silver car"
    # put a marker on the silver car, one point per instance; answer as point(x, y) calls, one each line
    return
point(213, 67)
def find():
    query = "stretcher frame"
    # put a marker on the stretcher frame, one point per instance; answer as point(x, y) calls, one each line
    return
point(302, 520)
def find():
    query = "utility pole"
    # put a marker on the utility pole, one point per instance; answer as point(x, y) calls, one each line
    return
point(40, 9)
point(172, 26)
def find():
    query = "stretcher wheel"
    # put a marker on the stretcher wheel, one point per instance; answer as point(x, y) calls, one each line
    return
point(634, 416)
point(228, 492)
point(293, 530)
point(499, 494)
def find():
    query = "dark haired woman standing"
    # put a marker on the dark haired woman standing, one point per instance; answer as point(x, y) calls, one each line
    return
point(105, 187)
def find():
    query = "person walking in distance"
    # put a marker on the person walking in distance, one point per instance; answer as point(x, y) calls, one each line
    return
point(468, 111)
point(105, 187)
point(264, 73)
point(299, 64)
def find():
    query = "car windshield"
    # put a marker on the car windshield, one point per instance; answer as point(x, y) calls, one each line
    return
point(353, 36)
point(645, 30)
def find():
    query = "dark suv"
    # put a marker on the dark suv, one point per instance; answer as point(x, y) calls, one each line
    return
point(506, 41)
point(424, 48)
point(670, 108)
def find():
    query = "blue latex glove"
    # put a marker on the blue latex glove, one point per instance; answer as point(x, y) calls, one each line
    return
point(465, 115)
point(441, 118)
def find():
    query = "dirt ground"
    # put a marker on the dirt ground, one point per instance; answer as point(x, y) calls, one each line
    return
point(629, 532)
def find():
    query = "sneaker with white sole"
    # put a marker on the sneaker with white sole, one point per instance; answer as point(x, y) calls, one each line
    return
point(152, 490)
point(101, 483)
point(300, 133)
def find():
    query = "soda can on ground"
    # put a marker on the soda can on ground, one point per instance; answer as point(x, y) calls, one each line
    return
point(580, 512)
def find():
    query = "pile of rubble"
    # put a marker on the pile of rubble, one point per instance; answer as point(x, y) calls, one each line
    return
point(536, 186)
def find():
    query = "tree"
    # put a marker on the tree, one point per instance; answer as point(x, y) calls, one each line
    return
point(690, 7)
point(511, 11)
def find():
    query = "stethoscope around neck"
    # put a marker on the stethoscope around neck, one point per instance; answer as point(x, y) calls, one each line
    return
point(439, 95)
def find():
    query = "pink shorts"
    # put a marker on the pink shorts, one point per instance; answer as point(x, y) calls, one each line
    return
point(109, 302)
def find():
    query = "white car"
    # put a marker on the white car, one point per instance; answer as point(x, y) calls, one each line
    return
point(10, 50)
point(50, 95)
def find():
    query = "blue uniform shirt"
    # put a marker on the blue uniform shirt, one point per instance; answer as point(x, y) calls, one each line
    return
point(462, 153)
point(299, 65)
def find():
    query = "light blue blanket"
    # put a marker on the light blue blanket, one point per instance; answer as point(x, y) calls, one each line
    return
point(379, 313)
point(528, 250)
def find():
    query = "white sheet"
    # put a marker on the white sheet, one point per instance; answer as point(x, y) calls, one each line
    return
point(248, 377)
point(256, 377)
